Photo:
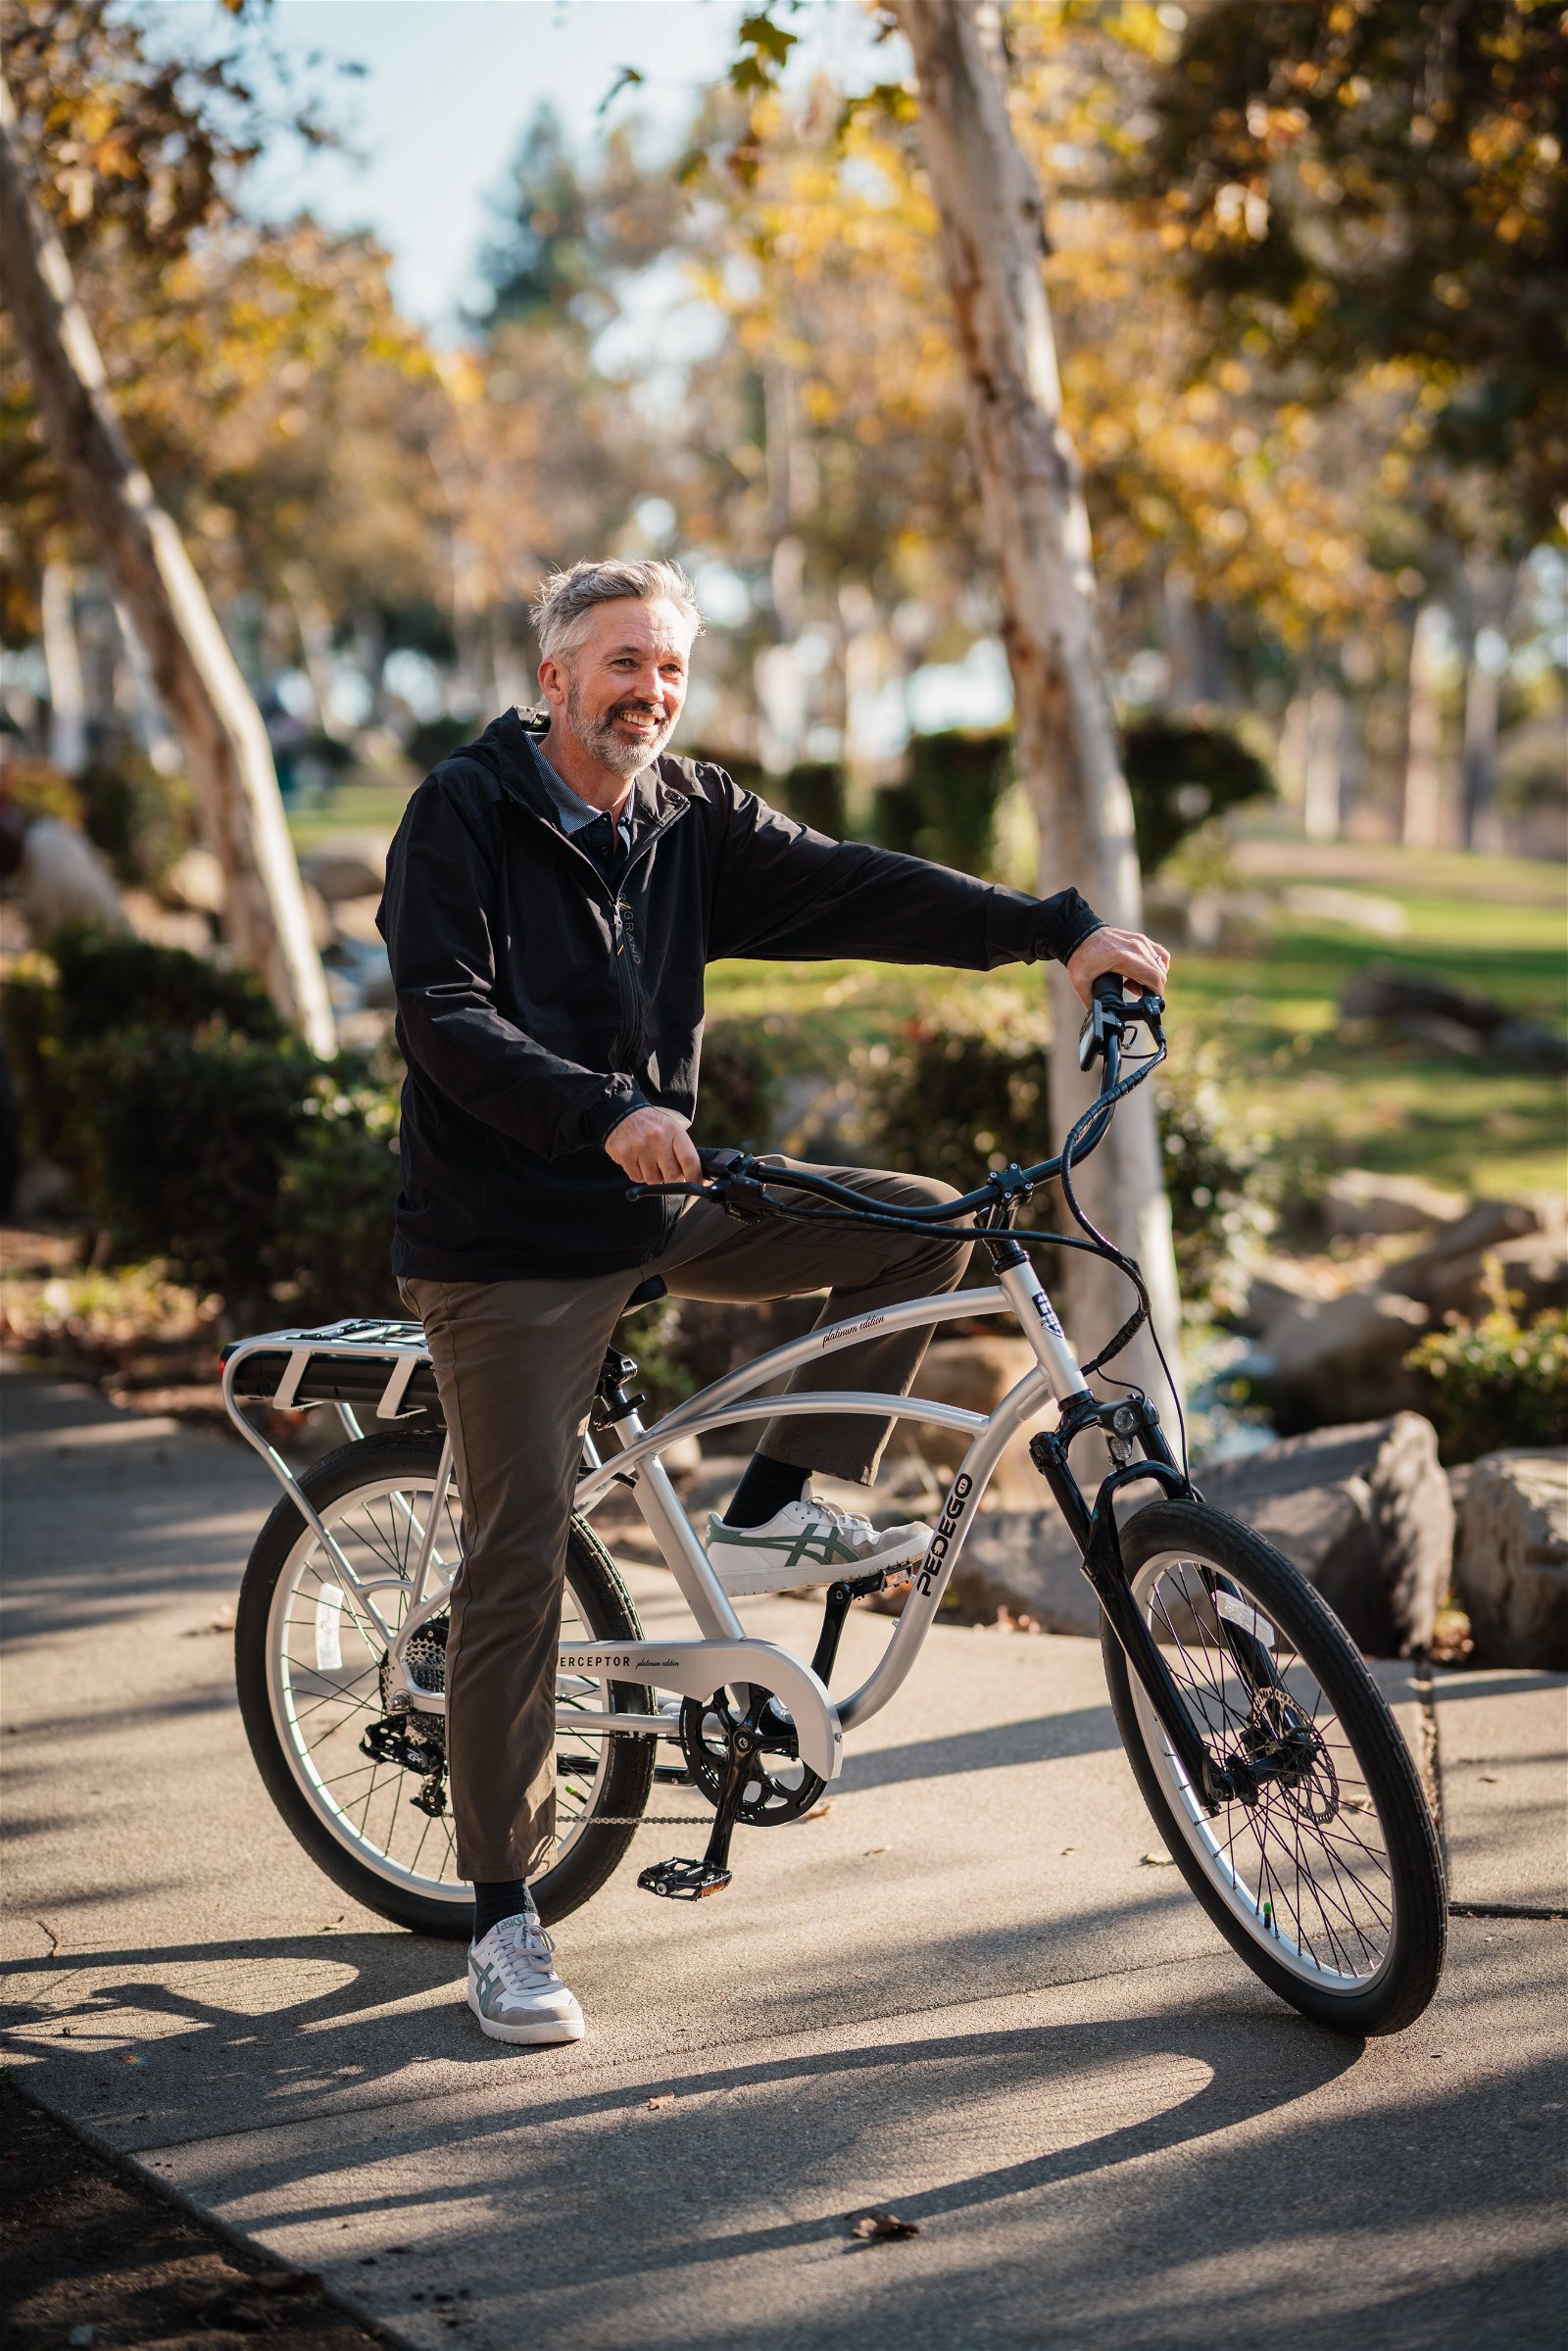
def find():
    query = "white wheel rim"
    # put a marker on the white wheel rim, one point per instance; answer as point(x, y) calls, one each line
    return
point(320, 1712)
point(1317, 1895)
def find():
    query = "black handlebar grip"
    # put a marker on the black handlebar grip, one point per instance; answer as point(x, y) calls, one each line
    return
point(1109, 989)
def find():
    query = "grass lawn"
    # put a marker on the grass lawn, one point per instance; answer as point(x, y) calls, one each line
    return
point(1377, 1103)
point(1493, 925)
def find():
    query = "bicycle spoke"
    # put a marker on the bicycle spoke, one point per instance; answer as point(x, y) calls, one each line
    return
point(1302, 1859)
point(367, 1799)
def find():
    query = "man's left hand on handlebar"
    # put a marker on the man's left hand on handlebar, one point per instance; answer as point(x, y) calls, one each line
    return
point(1143, 961)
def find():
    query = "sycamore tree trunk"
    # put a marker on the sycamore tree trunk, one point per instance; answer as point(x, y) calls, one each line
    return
point(1036, 527)
point(198, 681)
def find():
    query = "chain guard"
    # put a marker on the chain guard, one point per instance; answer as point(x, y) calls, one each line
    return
point(769, 1799)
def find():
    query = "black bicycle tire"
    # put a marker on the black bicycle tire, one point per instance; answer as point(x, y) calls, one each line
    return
point(1410, 1838)
point(607, 1608)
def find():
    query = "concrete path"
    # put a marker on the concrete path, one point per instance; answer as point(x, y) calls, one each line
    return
point(964, 1994)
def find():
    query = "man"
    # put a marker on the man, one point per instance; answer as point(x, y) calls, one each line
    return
point(553, 896)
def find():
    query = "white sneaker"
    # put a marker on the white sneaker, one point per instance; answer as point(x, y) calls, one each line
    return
point(512, 1987)
point(807, 1542)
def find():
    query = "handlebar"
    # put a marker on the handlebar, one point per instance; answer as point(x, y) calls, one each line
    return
point(741, 1183)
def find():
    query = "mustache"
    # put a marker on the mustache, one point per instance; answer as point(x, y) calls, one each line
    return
point(636, 709)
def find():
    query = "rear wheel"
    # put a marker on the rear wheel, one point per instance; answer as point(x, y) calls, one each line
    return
point(310, 1666)
point(1326, 1873)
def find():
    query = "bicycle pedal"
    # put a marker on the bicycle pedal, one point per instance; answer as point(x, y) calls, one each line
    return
point(682, 1881)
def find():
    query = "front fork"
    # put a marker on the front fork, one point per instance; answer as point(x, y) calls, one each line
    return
point(1128, 1423)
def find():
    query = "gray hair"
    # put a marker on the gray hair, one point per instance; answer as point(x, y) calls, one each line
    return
point(567, 597)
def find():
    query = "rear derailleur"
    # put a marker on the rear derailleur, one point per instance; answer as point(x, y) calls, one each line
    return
point(414, 1742)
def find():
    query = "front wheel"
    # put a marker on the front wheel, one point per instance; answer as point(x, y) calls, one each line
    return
point(362, 1790)
point(1324, 1870)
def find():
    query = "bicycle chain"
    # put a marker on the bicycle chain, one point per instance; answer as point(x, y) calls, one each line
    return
point(649, 1820)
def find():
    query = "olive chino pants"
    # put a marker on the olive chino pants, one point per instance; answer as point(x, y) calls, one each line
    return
point(516, 1364)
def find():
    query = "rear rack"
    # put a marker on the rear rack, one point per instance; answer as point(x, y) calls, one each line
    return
point(384, 1365)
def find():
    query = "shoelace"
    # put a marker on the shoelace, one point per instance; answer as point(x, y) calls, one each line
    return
point(849, 1523)
point(524, 1951)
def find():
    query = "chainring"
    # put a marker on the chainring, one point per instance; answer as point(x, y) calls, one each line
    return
point(773, 1794)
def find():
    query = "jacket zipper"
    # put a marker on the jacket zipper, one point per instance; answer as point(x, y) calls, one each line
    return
point(631, 1031)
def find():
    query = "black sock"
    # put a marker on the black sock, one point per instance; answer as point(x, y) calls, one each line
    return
point(496, 1900)
point(763, 1491)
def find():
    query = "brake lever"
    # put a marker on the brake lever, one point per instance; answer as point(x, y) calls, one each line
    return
point(1113, 1013)
point(676, 1192)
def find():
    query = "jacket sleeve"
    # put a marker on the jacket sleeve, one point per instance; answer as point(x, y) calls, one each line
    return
point(784, 890)
point(435, 920)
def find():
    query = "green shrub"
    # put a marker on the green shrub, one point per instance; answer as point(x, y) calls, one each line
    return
point(190, 1136)
point(1181, 773)
point(945, 808)
point(956, 1095)
point(106, 982)
point(436, 739)
point(738, 1089)
point(39, 788)
point(1496, 1382)
point(140, 818)
point(331, 1249)
point(1223, 1175)
point(61, 1010)
point(814, 794)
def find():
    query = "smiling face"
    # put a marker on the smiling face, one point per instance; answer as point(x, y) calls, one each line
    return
point(618, 686)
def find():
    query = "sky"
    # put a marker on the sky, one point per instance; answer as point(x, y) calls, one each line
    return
point(449, 86)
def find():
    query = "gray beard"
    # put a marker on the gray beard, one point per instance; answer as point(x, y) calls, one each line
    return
point(598, 737)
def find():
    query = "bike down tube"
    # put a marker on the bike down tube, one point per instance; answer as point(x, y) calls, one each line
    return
point(1056, 1379)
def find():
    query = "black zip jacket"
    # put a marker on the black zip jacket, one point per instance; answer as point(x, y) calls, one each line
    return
point(539, 1003)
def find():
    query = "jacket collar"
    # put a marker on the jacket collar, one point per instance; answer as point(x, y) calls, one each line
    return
point(512, 738)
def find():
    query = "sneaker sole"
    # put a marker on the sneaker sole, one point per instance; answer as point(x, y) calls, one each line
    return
point(548, 2033)
point(748, 1582)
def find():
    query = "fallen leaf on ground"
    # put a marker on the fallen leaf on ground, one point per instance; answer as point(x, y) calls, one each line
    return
point(1156, 1861)
point(665, 2097)
point(883, 2224)
point(223, 1622)
point(820, 1811)
point(871, 1849)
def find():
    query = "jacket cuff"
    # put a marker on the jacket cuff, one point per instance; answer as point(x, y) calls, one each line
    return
point(618, 1103)
point(1066, 921)
point(1032, 930)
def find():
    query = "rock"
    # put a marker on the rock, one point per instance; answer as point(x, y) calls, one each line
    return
point(1364, 1512)
point(1510, 1564)
point(1320, 1361)
point(63, 880)
point(1026, 1562)
point(1357, 1203)
point(974, 1374)
point(194, 883)
point(166, 926)
point(1447, 1276)
point(1276, 1286)
point(355, 918)
point(342, 873)
point(1453, 1018)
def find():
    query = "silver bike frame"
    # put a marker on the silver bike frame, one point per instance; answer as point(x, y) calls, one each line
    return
point(724, 1655)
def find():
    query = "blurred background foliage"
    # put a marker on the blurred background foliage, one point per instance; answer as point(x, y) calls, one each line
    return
point(1306, 263)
